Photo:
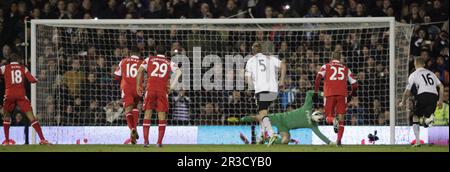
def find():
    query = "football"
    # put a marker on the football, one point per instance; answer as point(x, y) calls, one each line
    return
point(317, 116)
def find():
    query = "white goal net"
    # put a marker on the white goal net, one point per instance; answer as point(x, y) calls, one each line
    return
point(75, 59)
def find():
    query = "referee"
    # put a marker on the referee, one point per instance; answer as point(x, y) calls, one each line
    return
point(261, 71)
point(427, 96)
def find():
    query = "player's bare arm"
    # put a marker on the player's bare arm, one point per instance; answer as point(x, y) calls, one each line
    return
point(30, 77)
point(283, 73)
point(405, 96)
point(175, 79)
point(139, 80)
point(441, 95)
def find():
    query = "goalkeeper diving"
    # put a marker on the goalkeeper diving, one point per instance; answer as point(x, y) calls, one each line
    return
point(298, 118)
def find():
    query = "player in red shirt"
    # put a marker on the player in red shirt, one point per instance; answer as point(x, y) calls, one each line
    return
point(159, 69)
point(126, 73)
point(14, 76)
point(336, 75)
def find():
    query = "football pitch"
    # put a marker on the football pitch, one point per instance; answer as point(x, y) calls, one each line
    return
point(222, 148)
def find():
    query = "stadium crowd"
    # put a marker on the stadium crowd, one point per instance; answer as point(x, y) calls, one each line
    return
point(89, 62)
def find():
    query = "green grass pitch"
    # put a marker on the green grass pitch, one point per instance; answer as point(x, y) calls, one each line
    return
point(222, 148)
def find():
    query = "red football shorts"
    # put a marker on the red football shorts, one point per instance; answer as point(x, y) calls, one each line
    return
point(335, 105)
point(156, 101)
point(130, 98)
point(10, 102)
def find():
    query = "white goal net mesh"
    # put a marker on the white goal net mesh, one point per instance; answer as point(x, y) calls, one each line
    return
point(75, 64)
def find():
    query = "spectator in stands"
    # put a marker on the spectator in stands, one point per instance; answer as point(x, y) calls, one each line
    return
point(79, 114)
point(268, 12)
point(413, 17)
point(86, 7)
point(442, 68)
point(178, 8)
point(74, 78)
point(156, 9)
point(195, 39)
point(383, 119)
point(286, 96)
point(355, 112)
point(91, 88)
point(111, 12)
point(61, 7)
point(441, 43)
point(61, 98)
point(235, 107)
point(19, 120)
point(176, 48)
point(95, 116)
point(204, 11)
point(314, 12)
point(122, 41)
point(375, 111)
point(87, 16)
point(113, 111)
point(209, 114)
point(6, 52)
point(151, 45)
point(181, 109)
point(47, 12)
point(267, 46)
point(437, 13)
point(340, 11)
point(360, 11)
point(36, 14)
point(50, 110)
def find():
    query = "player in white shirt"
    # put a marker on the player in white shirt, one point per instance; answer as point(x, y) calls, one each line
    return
point(262, 72)
point(427, 97)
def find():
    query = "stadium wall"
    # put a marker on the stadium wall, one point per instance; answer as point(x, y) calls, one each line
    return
point(226, 134)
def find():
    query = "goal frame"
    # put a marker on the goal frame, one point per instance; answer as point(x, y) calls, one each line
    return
point(390, 20)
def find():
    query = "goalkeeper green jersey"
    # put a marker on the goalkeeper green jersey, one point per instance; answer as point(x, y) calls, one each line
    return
point(298, 118)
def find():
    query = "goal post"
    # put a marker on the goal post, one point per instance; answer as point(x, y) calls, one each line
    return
point(33, 72)
point(55, 43)
point(392, 86)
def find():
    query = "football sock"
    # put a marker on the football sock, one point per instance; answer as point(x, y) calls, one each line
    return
point(161, 130)
point(6, 124)
point(135, 113)
point(37, 127)
point(416, 129)
point(263, 130)
point(268, 125)
point(130, 120)
point(146, 128)
point(340, 131)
